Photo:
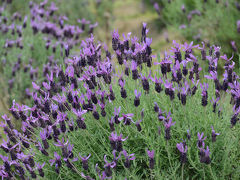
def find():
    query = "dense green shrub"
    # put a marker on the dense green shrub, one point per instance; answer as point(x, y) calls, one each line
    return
point(210, 21)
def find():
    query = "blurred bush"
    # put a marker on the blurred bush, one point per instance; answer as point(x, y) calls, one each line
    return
point(205, 20)
point(73, 9)
point(24, 56)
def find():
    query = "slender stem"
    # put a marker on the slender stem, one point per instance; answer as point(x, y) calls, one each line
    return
point(151, 172)
point(75, 169)
point(182, 171)
point(203, 171)
point(169, 156)
point(185, 111)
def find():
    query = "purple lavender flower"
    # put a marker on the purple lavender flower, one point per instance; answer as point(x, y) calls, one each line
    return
point(158, 84)
point(116, 114)
point(183, 8)
point(126, 41)
point(200, 142)
point(234, 47)
point(169, 90)
point(44, 136)
point(103, 112)
point(168, 124)
point(145, 82)
point(183, 150)
point(115, 157)
point(194, 88)
point(80, 120)
point(115, 40)
point(238, 26)
point(204, 155)
point(182, 26)
point(188, 49)
point(139, 128)
point(95, 113)
point(85, 161)
point(137, 98)
point(66, 50)
point(134, 69)
point(7, 121)
point(6, 163)
point(184, 91)
point(119, 57)
point(157, 8)
point(64, 147)
point(57, 161)
point(177, 52)
point(91, 27)
point(108, 166)
point(217, 51)
point(40, 169)
point(214, 102)
point(129, 158)
point(83, 22)
point(203, 51)
point(234, 117)
point(215, 78)
point(62, 117)
point(148, 49)
point(123, 90)
point(214, 135)
point(111, 95)
point(204, 94)
point(116, 141)
point(6, 145)
point(127, 118)
point(61, 102)
point(156, 107)
point(41, 148)
point(151, 158)
point(103, 176)
point(111, 124)
point(188, 134)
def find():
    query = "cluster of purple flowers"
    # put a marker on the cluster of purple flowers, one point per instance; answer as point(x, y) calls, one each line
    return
point(86, 85)
point(56, 33)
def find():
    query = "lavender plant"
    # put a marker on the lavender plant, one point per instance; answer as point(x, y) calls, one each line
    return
point(33, 44)
point(215, 22)
point(87, 106)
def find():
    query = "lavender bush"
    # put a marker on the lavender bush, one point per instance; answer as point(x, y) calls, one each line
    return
point(215, 22)
point(33, 44)
point(125, 114)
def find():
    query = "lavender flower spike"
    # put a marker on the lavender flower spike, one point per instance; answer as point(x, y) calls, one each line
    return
point(44, 136)
point(40, 169)
point(137, 98)
point(200, 142)
point(85, 161)
point(108, 167)
point(183, 150)
point(204, 94)
point(204, 155)
point(57, 161)
point(168, 125)
point(151, 158)
point(129, 158)
point(214, 135)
